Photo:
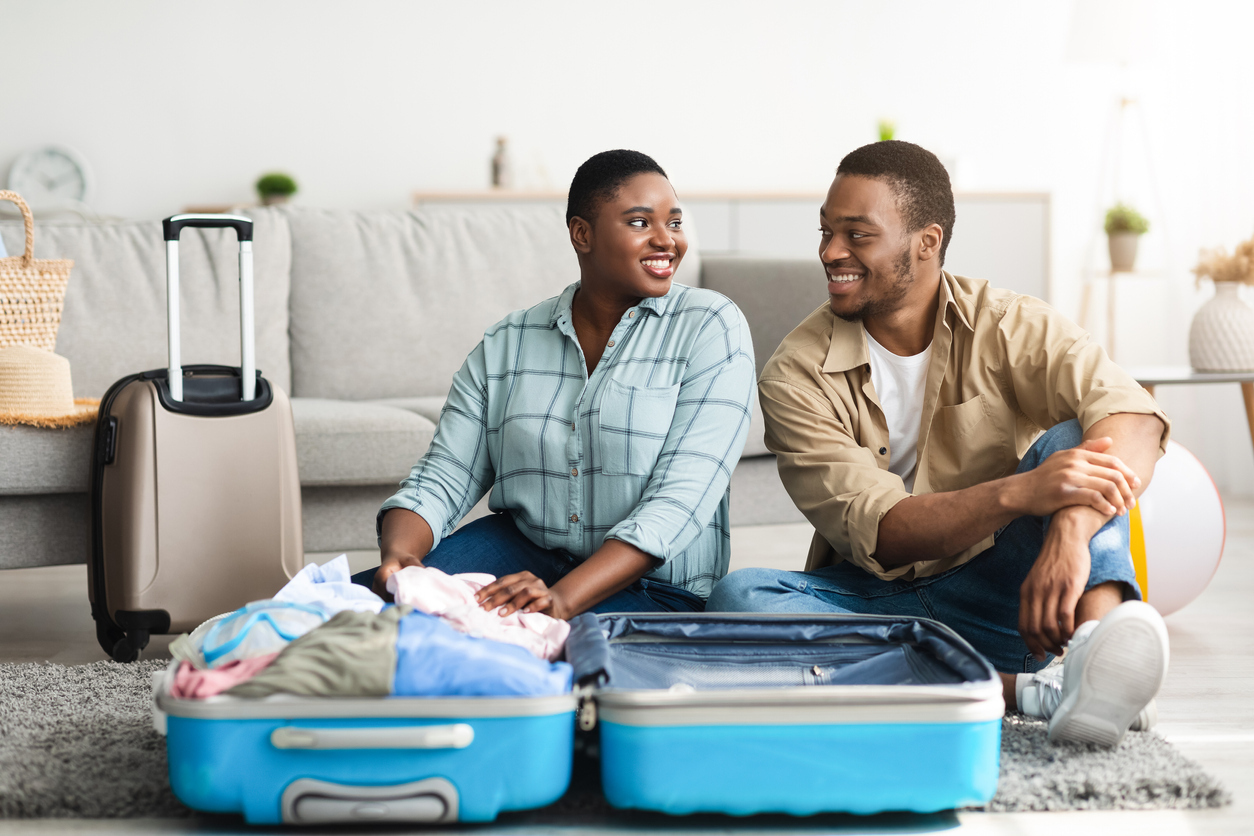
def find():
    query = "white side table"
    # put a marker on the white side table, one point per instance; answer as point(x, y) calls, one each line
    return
point(1151, 376)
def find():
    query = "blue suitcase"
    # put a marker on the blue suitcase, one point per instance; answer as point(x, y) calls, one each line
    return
point(736, 714)
point(301, 760)
point(746, 714)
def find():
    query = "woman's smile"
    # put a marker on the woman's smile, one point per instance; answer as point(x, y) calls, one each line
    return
point(659, 265)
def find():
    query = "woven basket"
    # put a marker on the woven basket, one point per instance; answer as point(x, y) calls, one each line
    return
point(32, 291)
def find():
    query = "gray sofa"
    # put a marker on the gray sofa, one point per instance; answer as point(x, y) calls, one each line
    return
point(362, 318)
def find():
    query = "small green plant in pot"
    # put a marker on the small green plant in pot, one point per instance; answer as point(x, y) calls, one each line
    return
point(275, 187)
point(1124, 227)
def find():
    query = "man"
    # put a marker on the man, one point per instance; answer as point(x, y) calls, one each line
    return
point(907, 416)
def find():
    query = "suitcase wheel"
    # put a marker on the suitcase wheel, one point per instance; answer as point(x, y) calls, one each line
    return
point(127, 648)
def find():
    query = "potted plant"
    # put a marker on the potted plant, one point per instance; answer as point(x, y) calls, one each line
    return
point(275, 187)
point(1221, 338)
point(1124, 227)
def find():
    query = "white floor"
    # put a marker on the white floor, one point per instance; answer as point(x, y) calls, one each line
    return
point(1206, 707)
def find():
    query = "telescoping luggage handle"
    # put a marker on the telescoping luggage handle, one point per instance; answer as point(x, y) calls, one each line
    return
point(243, 227)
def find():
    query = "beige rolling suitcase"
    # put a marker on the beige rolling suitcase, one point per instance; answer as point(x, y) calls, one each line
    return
point(195, 494)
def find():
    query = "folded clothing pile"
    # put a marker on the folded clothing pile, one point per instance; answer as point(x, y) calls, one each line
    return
point(452, 598)
point(405, 653)
point(323, 636)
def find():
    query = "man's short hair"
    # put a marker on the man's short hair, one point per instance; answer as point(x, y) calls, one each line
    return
point(917, 178)
point(600, 178)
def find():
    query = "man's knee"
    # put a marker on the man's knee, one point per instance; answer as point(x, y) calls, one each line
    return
point(741, 590)
point(1062, 436)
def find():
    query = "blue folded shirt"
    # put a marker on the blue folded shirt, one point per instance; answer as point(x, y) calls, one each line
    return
point(434, 660)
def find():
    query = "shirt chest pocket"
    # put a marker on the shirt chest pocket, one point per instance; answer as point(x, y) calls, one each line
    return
point(966, 446)
point(633, 424)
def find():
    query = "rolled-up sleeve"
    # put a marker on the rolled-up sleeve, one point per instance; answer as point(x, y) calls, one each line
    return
point(1058, 373)
point(456, 470)
point(703, 444)
point(832, 479)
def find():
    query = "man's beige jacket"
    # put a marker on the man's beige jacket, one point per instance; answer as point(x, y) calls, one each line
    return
point(1004, 368)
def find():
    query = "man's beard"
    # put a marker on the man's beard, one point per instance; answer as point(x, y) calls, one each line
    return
point(903, 279)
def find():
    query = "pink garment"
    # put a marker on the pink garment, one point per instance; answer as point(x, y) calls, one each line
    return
point(452, 598)
point(197, 684)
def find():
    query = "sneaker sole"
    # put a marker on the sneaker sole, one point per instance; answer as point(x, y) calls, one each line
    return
point(1126, 666)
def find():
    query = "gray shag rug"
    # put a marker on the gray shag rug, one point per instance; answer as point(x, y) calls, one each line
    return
point(78, 742)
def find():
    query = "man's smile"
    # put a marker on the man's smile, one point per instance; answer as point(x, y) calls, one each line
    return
point(842, 279)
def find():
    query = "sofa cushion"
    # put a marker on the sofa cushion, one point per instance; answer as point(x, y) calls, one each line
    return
point(428, 407)
point(388, 304)
point(775, 294)
point(755, 444)
point(40, 461)
point(349, 443)
point(114, 321)
point(414, 290)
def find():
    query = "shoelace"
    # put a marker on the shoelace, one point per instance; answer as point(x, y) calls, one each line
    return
point(1049, 680)
point(1049, 691)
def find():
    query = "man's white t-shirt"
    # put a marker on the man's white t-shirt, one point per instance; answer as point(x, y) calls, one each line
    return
point(899, 383)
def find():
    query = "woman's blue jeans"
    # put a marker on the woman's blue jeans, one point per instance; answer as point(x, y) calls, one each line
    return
point(495, 545)
point(979, 599)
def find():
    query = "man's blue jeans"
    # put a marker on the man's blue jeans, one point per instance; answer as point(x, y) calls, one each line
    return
point(495, 545)
point(979, 599)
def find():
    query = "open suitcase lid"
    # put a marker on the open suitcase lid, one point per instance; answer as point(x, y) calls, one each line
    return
point(660, 669)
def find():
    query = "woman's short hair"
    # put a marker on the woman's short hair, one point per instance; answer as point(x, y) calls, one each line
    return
point(600, 178)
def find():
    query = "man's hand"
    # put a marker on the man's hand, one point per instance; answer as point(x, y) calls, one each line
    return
point(1084, 475)
point(524, 592)
point(1048, 597)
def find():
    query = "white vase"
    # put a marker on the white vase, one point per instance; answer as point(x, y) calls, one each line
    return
point(1221, 338)
point(1122, 246)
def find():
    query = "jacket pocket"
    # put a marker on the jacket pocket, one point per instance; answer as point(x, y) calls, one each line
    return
point(632, 427)
point(965, 446)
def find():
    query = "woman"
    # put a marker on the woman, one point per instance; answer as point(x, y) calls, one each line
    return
point(606, 421)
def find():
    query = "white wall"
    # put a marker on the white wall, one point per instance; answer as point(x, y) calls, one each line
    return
point(186, 103)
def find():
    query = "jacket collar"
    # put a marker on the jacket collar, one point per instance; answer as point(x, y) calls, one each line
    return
point(848, 349)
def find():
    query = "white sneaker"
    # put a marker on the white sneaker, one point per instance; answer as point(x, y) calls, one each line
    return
point(1039, 694)
point(1111, 672)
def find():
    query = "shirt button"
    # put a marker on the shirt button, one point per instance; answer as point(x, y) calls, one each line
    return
point(610, 344)
point(630, 314)
point(574, 471)
point(883, 450)
point(574, 518)
point(572, 425)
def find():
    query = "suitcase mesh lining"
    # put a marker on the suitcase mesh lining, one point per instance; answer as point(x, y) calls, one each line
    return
point(719, 666)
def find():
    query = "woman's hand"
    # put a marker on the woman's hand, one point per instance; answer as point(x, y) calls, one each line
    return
point(406, 540)
point(523, 592)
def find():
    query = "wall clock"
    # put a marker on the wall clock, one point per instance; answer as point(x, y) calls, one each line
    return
point(51, 174)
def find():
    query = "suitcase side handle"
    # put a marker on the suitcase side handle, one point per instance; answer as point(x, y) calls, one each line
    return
point(172, 227)
point(451, 736)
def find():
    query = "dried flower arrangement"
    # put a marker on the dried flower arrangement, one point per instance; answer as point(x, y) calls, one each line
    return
point(1218, 266)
